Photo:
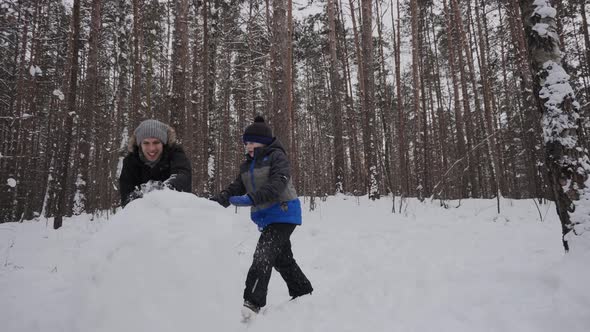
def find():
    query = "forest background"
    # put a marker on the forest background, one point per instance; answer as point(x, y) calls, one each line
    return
point(409, 98)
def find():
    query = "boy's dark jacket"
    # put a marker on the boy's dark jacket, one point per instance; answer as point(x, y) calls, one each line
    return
point(173, 169)
point(266, 178)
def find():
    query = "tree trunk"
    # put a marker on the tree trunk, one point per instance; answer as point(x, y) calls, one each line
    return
point(70, 112)
point(586, 39)
point(205, 151)
point(89, 110)
point(290, 77)
point(336, 96)
point(136, 111)
point(14, 119)
point(361, 81)
point(402, 149)
point(531, 117)
point(179, 70)
point(368, 99)
point(459, 122)
point(568, 165)
point(280, 117)
point(385, 108)
point(441, 129)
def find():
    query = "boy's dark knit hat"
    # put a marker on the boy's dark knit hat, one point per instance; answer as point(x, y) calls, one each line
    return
point(258, 132)
point(151, 129)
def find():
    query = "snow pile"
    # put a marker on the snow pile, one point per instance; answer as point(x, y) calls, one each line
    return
point(163, 261)
point(174, 262)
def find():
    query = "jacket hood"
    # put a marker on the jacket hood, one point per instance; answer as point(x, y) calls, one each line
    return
point(274, 145)
point(132, 145)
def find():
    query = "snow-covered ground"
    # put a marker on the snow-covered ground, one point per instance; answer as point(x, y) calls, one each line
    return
point(175, 262)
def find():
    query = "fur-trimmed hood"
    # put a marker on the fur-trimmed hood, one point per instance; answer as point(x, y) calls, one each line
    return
point(132, 145)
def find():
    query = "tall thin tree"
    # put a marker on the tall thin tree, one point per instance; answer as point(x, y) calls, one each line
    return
point(280, 116)
point(368, 100)
point(336, 94)
point(70, 111)
point(90, 109)
point(568, 165)
point(180, 69)
point(136, 113)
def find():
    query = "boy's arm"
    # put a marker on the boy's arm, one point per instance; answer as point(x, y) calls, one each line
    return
point(280, 173)
point(236, 188)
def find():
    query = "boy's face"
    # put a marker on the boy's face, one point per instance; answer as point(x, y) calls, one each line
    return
point(152, 148)
point(250, 146)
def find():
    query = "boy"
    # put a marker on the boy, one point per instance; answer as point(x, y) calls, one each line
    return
point(264, 184)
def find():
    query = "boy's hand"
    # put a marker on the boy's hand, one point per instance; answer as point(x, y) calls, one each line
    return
point(243, 200)
point(222, 199)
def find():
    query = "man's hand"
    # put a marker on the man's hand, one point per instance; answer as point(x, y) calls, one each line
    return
point(243, 200)
point(151, 186)
point(169, 183)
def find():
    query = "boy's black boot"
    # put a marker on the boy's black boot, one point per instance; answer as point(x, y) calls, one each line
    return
point(249, 310)
point(296, 296)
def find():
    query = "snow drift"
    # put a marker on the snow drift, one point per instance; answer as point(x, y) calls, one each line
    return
point(175, 262)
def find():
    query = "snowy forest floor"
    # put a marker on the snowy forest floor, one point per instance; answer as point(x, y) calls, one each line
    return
point(175, 262)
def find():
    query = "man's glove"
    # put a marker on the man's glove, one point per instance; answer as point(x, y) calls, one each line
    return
point(222, 198)
point(243, 200)
point(151, 186)
point(169, 183)
point(135, 194)
point(145, 188)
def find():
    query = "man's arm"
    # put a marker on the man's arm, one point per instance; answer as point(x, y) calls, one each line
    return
point(180, 171)
point(126, 183)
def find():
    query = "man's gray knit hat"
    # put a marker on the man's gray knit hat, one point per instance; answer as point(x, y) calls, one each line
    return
point(151, 129)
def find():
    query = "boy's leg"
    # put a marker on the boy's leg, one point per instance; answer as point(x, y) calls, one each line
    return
point(285, 264)
point(270, 244)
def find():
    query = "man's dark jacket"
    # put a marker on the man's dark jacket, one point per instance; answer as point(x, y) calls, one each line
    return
point(173, 169)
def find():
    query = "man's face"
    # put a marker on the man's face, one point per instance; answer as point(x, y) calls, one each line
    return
point(250, 146)
point(152, 148)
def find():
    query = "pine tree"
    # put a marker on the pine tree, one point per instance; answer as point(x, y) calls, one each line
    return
point(567, 162)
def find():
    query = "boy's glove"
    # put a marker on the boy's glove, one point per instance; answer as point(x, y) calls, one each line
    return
point(222, 198)
point(243, 200)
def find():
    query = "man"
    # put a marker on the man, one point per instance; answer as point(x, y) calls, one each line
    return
point(155, 160)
